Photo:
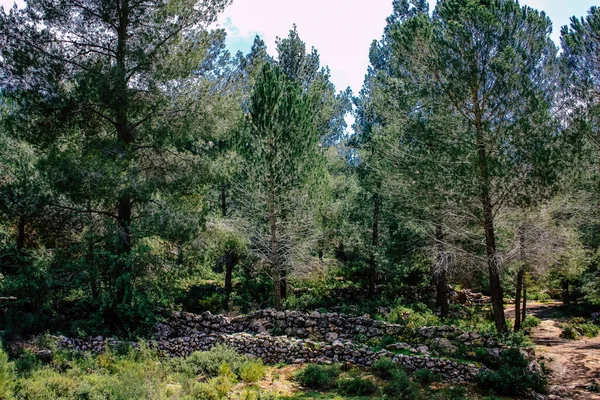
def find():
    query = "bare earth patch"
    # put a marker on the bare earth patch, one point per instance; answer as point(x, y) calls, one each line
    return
point(574, 363)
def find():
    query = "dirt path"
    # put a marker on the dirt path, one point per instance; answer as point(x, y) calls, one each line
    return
point(574, 363)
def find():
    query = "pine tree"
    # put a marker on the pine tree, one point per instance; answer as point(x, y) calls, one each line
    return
point(281, 167)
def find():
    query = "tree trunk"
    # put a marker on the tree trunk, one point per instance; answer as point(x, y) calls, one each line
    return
point(277, 294)
point(224, 200)
point(374, 244)
point(566, 297)
point(283, 290)
point(518, 291)
point(440, 273)
point(488, 221)
point(231, 260)
point(21, 233)
point(179, 253)
point(524, 300)
point(520, 276)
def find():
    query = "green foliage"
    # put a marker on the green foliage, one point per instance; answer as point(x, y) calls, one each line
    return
point(453, 393)
point(252, 371)
point(578, 326)
point(384, 368)
point(7, 376)
point(512, 376)
point(426, 377)
point(210, 362)
point(530, 322)
point(413, 318)
point(318, 377)
point(356, 386)
point(400, 387)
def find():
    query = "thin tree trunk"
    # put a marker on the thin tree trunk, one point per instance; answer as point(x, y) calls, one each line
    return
point(520, 276)
point(274, 257)
point(231, 260)
point(283, 289)
point(524, 300)
point(488, 222)
point(518, 291)
point(566, 297)
point(440, 275)
point(21, 233)
point(374, 244)
point(224, 200)
point(179, 253)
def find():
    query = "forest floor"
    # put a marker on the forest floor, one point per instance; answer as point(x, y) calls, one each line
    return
point(575, 364)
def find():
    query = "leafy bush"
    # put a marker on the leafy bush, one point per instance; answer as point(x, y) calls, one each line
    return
point(577, 326)
point(7, 376)
point(400, 387)
point(413, 318)
point(569, 332)
point(356, 386)
point(384, 368)
point(453, 393)
point(209, 362)
point(512, 378)
point(252, 371)
point(530, 322)
point(319, 377)
point(425, 377)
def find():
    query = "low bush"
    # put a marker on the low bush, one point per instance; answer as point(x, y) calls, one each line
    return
point(453, 393)
point(530, 322)
point(319, 377)
point(400, 387)
point(426, 377)
point(252, 371)
point(578, 326)
point(356, 386)
point(384, 368)
point(512, 377)
point(209, 362)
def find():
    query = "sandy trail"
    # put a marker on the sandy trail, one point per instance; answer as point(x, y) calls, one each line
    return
point(574, 363)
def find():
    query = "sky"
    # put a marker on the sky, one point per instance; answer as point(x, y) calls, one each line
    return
point(340, 30)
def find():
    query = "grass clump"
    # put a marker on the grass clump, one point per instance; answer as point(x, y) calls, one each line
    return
point(252, 371)
point(453, 393)
point(400, 387)
point(384, 368)
point(209, 362)
point(530, 322)
point(512, 377)
point(319, 377)
point(356, 386)
point(425, 377)
point(576, 327)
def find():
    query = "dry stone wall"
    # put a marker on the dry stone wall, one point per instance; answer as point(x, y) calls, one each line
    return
point(276, 349)
point(305, 338)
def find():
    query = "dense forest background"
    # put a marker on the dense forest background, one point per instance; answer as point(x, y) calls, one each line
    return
point(145, 168)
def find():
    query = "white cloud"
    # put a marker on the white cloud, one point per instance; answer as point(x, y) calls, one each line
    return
point(341, 30)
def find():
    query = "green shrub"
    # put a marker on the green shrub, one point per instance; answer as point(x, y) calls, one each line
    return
point(7, 376)
point(319, 377)
point(356, 386)
point(209, 362)
point(512, 377)
point(453, 393)
point(384, 368)
point(569, 332)
point(589, 329)
point(252, 371)
point(530, 322)
point(400, 387)
point(577, 326)
point(425, 377)
point(414, 318)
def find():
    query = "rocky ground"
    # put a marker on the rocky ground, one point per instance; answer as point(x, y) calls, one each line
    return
point(575, 364)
